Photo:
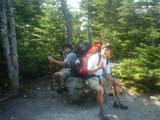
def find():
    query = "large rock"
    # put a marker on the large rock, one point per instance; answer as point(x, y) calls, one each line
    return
point(78, 90)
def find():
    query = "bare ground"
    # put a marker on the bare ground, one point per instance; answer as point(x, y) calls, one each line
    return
point(40, 104)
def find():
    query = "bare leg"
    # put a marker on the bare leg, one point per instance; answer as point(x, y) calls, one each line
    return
point(58, 81)
point(117, 89)
point(100, 95)
point(100, 100)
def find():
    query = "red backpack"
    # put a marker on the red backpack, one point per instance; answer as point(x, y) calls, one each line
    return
point(81, 65)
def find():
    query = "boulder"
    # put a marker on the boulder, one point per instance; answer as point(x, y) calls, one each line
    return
point(78, 90)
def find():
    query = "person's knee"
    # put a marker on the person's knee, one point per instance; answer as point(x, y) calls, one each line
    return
point(115, 82)
point(56, 73)
point(57, 76)
point(100, 90)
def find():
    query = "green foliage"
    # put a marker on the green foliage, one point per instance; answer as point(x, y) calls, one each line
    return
point(133, 29)
point(33, 63)
point(144, 69)
point(4, 88)
point(149, 56)
point(39, 33)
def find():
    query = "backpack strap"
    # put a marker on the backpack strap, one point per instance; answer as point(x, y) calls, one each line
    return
point(103, 68)
point(107, 61)
point(99, 55)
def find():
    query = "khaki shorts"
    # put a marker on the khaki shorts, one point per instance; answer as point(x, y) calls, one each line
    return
point(93, 82)
point(65, 73)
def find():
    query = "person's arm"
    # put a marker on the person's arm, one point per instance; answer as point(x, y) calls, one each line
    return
point(51, 59)
point(109, 77)
point(108, 72)
point(93, 70)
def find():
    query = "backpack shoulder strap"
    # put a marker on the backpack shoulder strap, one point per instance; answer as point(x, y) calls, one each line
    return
point(99, 56)
point(107, 61)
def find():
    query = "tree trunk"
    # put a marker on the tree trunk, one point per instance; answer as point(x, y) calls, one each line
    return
point(67, 22)
point(89, 24)
point(14, 55)
point(10, 45)
point(4, 33)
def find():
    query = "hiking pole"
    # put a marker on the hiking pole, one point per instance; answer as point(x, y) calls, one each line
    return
point(115, 98)
point(125, 91)
point(117, 101)
point(133, 98)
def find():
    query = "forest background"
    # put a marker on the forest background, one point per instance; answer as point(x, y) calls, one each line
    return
point(132, 27)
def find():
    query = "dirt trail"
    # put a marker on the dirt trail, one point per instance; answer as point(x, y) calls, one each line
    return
point(41, 105)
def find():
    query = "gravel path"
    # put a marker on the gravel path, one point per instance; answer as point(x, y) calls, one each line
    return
point(41, 105)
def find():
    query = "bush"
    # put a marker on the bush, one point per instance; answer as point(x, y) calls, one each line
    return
point(143, 70)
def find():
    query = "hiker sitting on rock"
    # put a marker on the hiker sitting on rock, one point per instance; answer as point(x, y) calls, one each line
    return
point(63, 74)
point(98, 65)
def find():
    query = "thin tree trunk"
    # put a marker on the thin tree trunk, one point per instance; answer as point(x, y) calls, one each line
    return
point(10, 46)
point(14, 55)
point(89, 25)
point(4, 33)
point(67, 22)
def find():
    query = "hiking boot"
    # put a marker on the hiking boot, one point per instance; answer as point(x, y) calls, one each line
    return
point(121, 106)
point(103, 115)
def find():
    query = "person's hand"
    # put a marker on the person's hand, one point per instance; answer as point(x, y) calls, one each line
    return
point(101, 65)
point(50, 59)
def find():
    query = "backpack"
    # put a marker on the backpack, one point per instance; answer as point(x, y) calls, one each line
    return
point(80, 67)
